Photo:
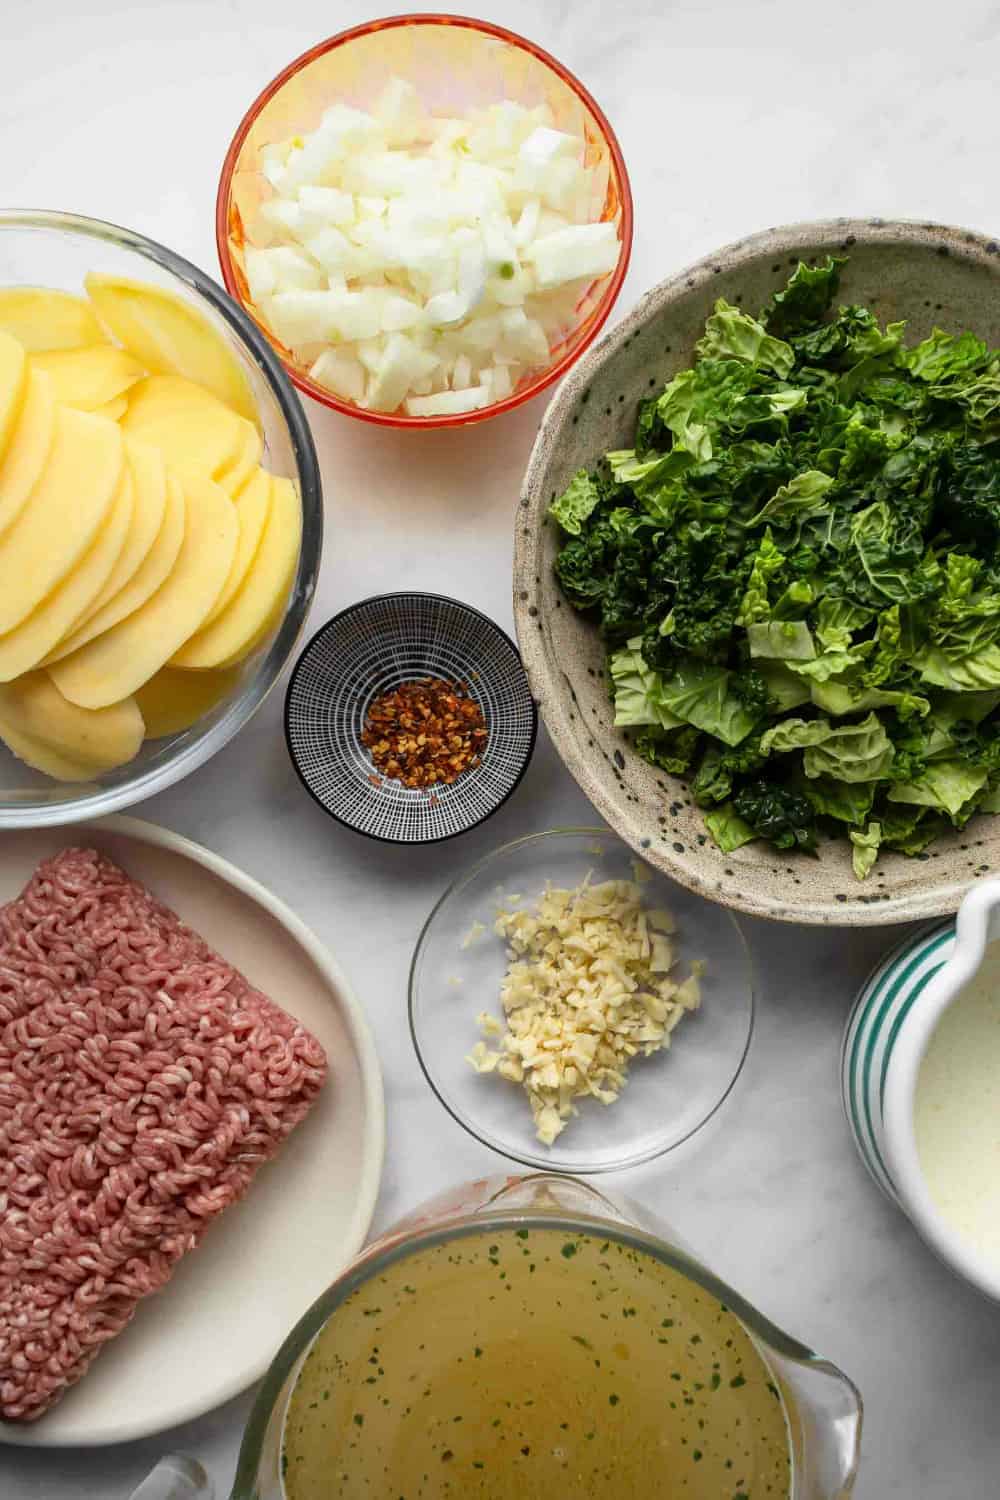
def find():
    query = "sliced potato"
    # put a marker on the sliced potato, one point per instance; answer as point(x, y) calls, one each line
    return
point(91, 377)
point(238, 474)
point(252, 612)
point(113, 410)
point(253, 506)
point(195, 433)
point(171, 337)
point(63, 513)
point(33, 707)
point(172, 701)
point(42, 757)
point(29, 446)
point(150, 576)
point(13, 385)
point(113, 665)
point(149, 486)
point(28, 643)
point(160, 395)
point(41, 319)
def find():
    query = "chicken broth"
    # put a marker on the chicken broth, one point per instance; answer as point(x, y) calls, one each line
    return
point(526, 1363)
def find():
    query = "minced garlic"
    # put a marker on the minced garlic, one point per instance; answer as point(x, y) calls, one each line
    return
point(587, 988)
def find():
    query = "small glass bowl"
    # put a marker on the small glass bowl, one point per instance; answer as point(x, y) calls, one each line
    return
point(57, 250)
point(457, 64)
point(456, 973)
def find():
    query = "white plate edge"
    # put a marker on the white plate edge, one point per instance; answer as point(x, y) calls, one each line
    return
point(372, 1088)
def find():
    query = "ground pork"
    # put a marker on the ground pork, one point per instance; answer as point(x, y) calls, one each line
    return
point(143, 1081)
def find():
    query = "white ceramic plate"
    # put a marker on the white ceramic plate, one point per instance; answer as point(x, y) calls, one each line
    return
point(215, 1327)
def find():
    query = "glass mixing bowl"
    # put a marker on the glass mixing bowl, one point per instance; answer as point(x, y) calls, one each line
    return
point(456, 973)
point(58, 250)
point(457, 64)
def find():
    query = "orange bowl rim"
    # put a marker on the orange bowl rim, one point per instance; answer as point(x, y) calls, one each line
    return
point(608, 298)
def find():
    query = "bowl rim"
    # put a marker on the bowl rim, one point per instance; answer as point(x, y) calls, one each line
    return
point(337, 619)
point(869, 910)
point(551, 1163)
point(252, 693)
point(608, 298)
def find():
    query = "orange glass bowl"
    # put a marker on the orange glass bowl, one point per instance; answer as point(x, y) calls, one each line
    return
point(457, 64)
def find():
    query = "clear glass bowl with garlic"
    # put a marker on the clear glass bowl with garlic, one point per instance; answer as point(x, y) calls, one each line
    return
point(573, 1009)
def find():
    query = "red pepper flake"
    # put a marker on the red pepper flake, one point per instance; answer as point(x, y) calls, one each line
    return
point(425, 733)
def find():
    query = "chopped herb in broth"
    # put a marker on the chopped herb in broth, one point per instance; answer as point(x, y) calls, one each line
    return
point(524, 1364)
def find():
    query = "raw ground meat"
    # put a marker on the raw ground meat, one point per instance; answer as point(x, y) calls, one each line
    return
point(143, 1081)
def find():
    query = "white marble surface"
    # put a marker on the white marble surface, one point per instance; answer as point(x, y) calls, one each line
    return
point(733, 115)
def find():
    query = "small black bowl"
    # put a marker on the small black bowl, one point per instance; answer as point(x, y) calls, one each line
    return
point(369, 649)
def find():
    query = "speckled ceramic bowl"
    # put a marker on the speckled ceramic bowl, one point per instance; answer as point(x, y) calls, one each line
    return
point(925, 273)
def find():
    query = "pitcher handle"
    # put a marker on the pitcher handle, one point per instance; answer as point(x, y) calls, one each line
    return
point(541, 1191)
point(176, 1477)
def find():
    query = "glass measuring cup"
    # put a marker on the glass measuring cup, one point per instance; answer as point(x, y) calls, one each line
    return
point(823, 1406)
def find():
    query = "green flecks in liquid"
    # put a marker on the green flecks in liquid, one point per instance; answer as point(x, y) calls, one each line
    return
point(437, 1389)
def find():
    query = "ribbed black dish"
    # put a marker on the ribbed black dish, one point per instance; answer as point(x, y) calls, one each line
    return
point(367, 650)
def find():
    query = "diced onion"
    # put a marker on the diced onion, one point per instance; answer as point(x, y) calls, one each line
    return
point(427, 263)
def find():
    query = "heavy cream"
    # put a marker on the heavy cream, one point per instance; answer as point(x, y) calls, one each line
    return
point(957, 1111)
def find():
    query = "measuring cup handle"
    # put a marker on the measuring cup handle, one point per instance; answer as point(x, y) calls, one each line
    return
point(553, 1191)
point(176, 1478)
